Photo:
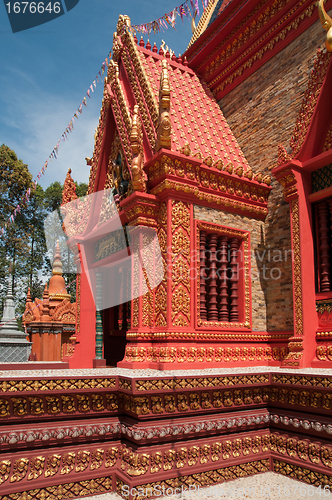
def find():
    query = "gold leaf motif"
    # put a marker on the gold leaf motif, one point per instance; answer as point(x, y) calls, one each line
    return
point(20, 469)
point(68, 463)
point(36, 467)
point(4, 470)
point(97, 457)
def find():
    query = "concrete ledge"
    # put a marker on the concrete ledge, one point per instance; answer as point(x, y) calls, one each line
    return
point(35, 365)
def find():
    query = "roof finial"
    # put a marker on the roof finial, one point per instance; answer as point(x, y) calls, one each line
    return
point(69, 189)
point(164, 128)
point(326, 22)
point(57, 264)
point(136, 140)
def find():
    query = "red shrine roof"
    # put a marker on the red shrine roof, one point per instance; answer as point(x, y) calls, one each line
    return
point(155, 105)
point(198, 127)
point(196, 118)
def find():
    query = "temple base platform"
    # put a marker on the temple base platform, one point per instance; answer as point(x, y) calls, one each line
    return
point(76, 433)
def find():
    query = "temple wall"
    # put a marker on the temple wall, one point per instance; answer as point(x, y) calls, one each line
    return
point(269, 271)
point(262, 113)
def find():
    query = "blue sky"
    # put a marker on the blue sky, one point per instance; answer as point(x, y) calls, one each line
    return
point(46, 71)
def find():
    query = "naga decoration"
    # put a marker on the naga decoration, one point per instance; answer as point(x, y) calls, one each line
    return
point(136, 141)
point(326, 22)
point(164, 124)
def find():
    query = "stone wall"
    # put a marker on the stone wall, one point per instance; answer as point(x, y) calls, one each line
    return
point(262, 113)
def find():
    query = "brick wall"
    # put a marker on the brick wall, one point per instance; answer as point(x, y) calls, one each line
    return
point(262, 113)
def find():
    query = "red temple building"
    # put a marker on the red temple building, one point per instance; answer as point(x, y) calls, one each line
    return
point(224, 157)
point(50, 323)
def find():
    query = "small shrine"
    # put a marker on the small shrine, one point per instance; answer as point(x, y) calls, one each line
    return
point(14, 347)
point(50, 322)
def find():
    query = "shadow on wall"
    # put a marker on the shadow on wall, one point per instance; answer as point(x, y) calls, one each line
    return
point(274, 263)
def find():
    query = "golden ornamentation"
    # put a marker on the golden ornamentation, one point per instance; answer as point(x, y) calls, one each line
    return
point(83, 402)
point(59, 385)
point(111, 402)
point(53, 404)
point(4, 470)
point(227, 204)
point(53, 465)
point(155, 462)
point(196, 382)
point(295, 345)
point(36, 467)
point(83, 459)
point(181, 458)
point(305, 474)
point(164, 125)
point(139, 97)
point(136, 141)
point(259, 54)
point(4, 408)
point(203, 479)
point(180, 264)
point(157, 404)
point(193, 455)
point(68, 463)
point(19, 406)
point(97, 402)
point(36, 406)
point(68, 404)
point(310, 98)
point(67, 490)
point(97, 457)
point(111, 456)
point(20, 469)
point(326, 22)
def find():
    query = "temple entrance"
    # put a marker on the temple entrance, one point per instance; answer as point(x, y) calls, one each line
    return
point(116, 322)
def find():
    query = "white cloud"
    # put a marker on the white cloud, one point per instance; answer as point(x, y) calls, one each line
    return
point(35, 119)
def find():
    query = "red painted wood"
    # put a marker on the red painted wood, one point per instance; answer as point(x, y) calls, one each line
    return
point(213, 309)
point(324, 247)
point(202, 290)
point(223, 293)
point(234, 278)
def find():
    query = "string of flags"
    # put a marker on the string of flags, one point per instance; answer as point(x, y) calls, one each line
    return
point(54, 154)
point(189, 8)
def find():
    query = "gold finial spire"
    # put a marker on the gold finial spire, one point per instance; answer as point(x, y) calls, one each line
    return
point(136, 140)
point(164, 128)
point(326, 22)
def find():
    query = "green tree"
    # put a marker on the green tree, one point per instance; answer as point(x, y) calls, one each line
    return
point(15, 180)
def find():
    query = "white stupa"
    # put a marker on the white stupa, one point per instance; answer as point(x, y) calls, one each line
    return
point(14, 348)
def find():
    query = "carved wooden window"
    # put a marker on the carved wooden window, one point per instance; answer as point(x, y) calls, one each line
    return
point(323, 221)
point(223, 270)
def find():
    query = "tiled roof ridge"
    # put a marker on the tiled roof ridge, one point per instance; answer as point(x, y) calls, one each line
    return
point(204, 21)
point(171, 58)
